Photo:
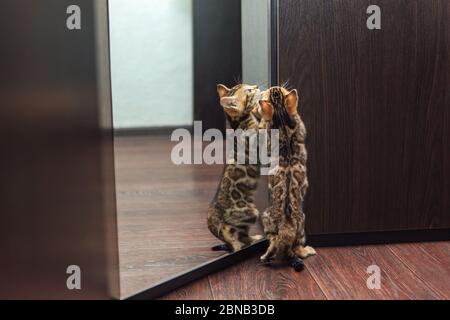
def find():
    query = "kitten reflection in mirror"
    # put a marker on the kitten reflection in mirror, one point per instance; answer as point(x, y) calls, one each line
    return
point(284, 219)
point(233, 211)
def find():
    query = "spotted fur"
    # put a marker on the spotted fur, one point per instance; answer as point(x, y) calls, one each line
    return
point(284, 219)
point(233, 211)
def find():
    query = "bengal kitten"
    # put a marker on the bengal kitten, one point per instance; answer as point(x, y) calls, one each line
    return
point(233, 211)
point(284, 219)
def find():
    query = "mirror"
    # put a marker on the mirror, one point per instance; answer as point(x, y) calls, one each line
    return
point(167, 58)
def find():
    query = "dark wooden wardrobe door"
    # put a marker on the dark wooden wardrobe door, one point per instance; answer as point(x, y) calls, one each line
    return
point(376, 106)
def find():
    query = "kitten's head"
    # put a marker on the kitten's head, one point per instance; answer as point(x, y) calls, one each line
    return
point(278, 105)
point(239, 100)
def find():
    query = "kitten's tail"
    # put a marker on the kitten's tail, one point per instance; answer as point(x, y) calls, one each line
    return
point(287, 201)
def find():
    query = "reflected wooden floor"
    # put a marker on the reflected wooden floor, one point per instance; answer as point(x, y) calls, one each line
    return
point(161, 212)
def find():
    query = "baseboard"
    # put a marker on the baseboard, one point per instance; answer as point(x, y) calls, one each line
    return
point(143, 131)
point(378, 237)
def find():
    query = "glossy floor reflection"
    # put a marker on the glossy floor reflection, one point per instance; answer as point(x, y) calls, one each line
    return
point(162, 211)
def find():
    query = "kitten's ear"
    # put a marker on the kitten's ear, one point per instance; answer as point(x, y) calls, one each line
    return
point(266, 109)
point(229, 102)
point(222, 90)
point(291, 102)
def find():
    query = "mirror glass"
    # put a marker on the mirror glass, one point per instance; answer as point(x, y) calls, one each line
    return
point(167, 58)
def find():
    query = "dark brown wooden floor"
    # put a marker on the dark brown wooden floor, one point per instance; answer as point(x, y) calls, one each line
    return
point(408, 271)
point(161, 211)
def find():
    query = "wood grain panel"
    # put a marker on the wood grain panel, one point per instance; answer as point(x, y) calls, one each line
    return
point(375, 104)
point(341, 274)
point(408, 271)
point(429, 190)
point(199, 290)
point(430, 262)
point(252, 280)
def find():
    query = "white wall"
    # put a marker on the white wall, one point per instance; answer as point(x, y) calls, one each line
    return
point(255, 42)
point(151, 62)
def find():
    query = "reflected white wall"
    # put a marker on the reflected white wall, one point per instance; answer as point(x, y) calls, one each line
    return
point(151, 62)
point(255, 42)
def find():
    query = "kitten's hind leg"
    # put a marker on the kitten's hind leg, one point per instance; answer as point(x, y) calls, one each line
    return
point(297, 263)
point(300, 249)
point(221, 247)
point(247, 239)
point(304, 252)
point(243, 227)
point(294, 260)
point(271, 252)
point(229, 237)
point(257, 237)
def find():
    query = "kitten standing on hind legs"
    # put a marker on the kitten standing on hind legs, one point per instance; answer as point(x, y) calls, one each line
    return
point(233, 211)
point(284, 219)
